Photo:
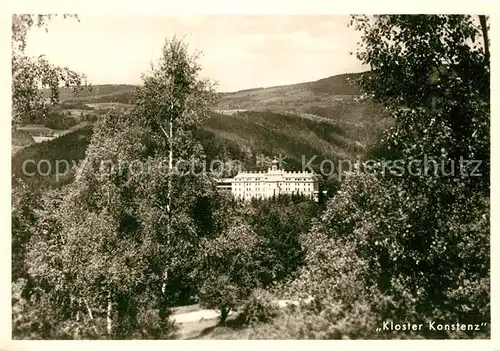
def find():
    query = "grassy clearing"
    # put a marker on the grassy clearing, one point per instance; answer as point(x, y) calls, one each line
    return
point(210, 329)
point(37, 129)
point(106, 105)
point(186, 309)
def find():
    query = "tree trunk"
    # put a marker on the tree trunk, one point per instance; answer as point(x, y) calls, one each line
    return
point(169, 184)
point(224, 312)
point(170, 163)
point(170, 167)
point(109, 328)
point(484, 29)
point(170, 170)
point(89, 311)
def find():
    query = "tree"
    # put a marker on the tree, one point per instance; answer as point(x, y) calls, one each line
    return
point(280, 225)
point(172, 104)
point(25, 201)
point(127, 219)
point(30, 75)
point(229, 268)
point(433, 74)
point(399, 245)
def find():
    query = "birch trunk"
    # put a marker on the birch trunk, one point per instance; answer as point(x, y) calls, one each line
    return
point(108, 316)
point(170, 169)
point(169, 184)
point(89, 311)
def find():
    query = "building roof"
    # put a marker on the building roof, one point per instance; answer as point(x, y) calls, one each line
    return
point(275, 174)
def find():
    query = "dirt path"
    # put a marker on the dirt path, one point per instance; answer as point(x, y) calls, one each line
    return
point(196, 316)
point(197, 324)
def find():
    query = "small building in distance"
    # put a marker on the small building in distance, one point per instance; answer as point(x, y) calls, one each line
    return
point(274, 182)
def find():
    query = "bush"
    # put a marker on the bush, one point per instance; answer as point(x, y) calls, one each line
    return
point(79, 105)
point(326, 321)
point(60, 122)
point(279, 223)
point(91, 117)
point(228, 269)
point(380, 253)
point(150, 326)
point(36, 315)
point(21, 138)
point(259, 308)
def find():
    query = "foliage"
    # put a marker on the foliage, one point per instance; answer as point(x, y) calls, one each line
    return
point(33, 318)
point(24, 203)
point(405, 247)
point(79, 105)
point(21, 138)
point(29, 74)
point(60, 122)
point(258, 308)
point(280, 223)
point(443, 82)
point(331, 321)
point(98, 91)
point(114, 236)
point(137, 231)
point(149, 326)
point(371, 258)
point(437, 70)
point(228, 270)
point(69, 147)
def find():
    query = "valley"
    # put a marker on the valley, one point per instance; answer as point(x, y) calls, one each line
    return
point(325, 118)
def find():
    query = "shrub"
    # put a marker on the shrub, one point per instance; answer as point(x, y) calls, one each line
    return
point(327, 320)
point(259, 308)
point(150, 326)
point(279, 223)
point(60, 122)
point(21, 138)
point(380, 252)
point(37, 315)
point(228, 269)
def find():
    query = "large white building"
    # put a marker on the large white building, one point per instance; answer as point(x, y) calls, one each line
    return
point(274, 182)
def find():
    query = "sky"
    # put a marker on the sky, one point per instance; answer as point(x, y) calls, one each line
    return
point(239, 51)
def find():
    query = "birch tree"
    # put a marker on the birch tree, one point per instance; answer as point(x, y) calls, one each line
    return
point(129, 223)
point(173, 102)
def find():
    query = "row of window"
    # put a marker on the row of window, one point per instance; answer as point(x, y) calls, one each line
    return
point(286, 180)
point(270, 185)
point(286, 191)
point(250, 195)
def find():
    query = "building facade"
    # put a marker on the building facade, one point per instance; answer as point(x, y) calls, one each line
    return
point(274, 182)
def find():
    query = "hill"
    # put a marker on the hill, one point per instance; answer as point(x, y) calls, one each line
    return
point(96, 93)
point(322, 119)
point(322, 92)
point(345, 133)
point(70, 147)
point(338, 85)
point(245, 137)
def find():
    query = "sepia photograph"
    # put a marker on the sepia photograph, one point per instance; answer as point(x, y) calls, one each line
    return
point(250, 176)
